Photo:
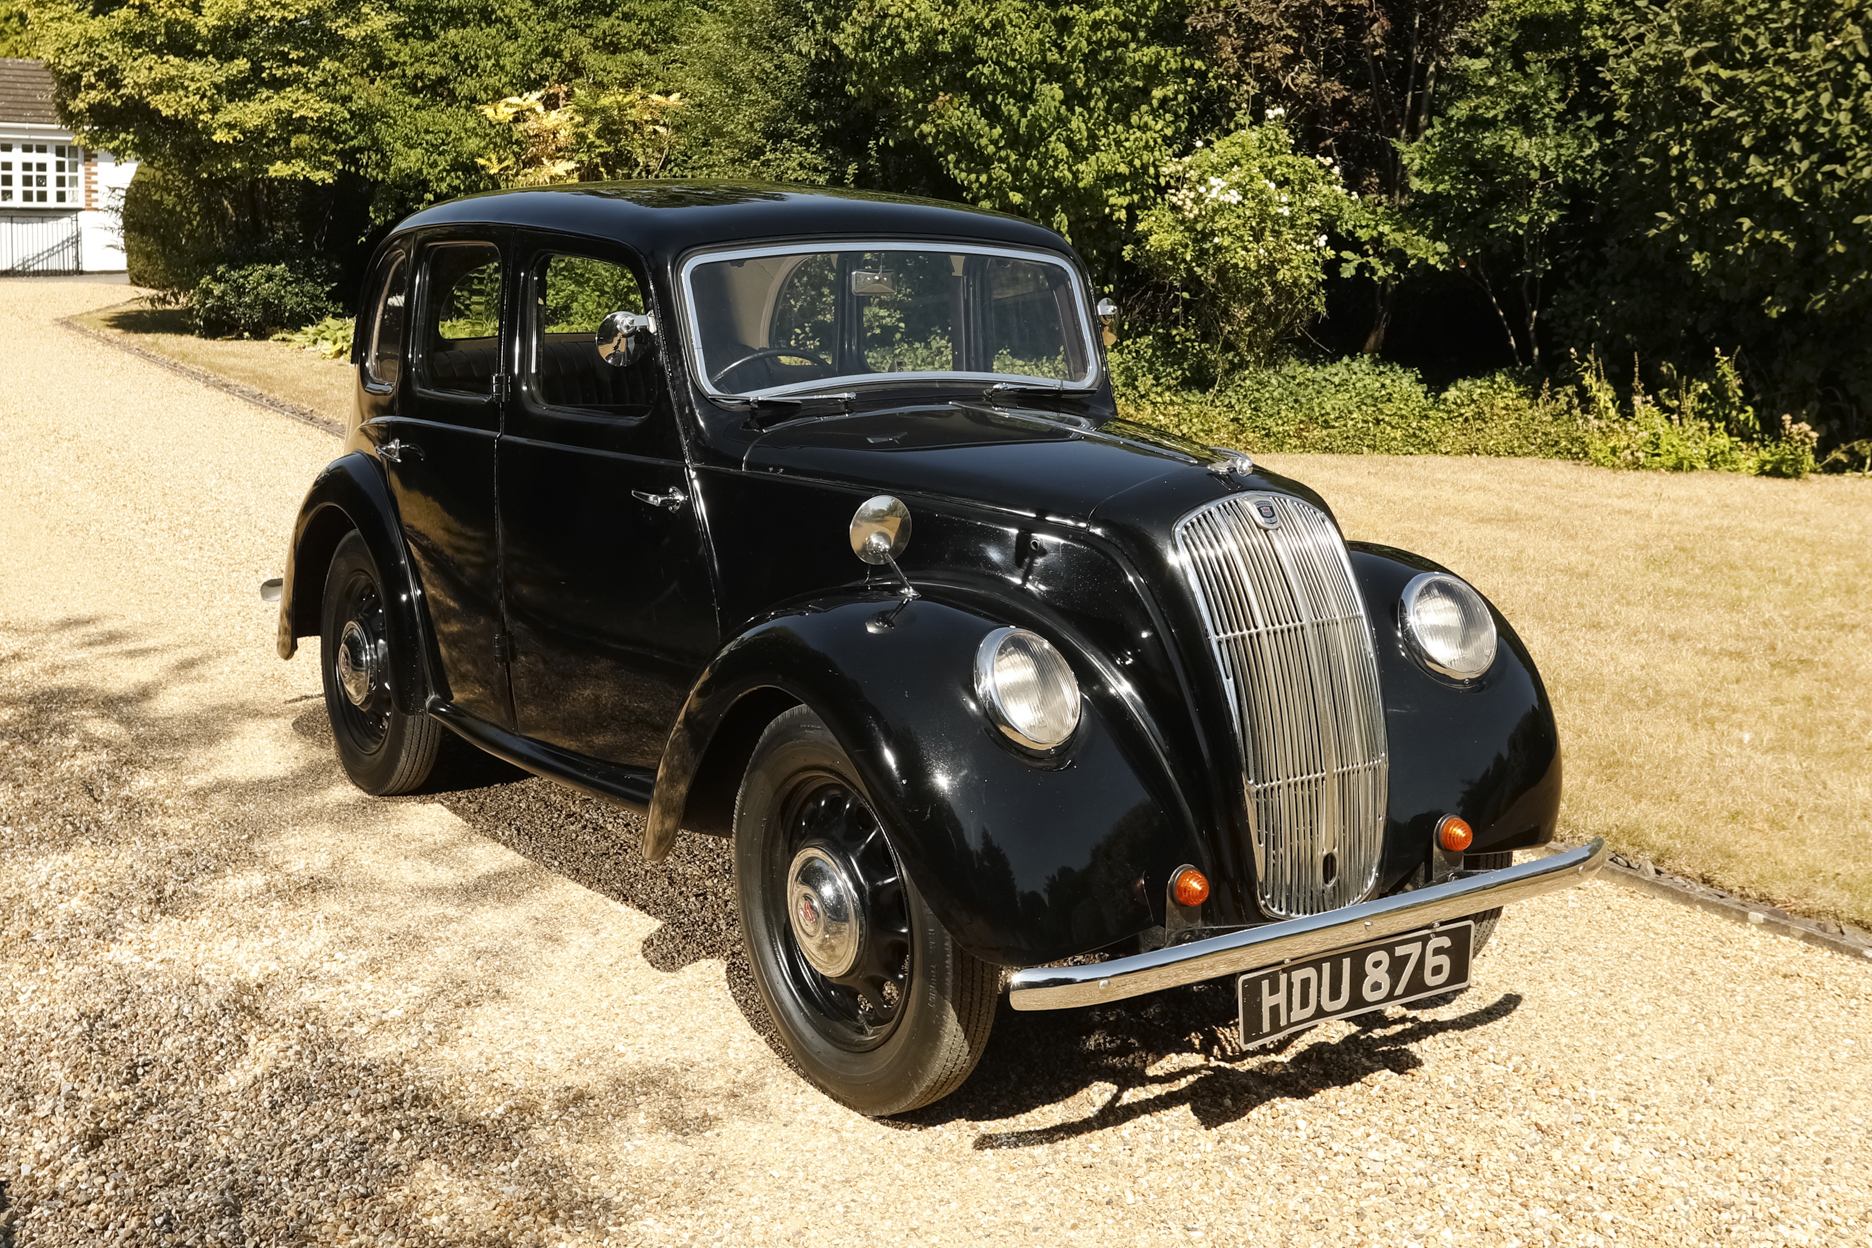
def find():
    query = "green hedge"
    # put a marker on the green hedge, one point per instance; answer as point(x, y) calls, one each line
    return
point(1364, 406)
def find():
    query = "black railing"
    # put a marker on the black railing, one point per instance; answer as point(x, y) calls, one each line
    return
point(40, 244)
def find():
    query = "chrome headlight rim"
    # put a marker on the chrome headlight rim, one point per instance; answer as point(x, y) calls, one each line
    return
point(1419, 645)
point(987, 689)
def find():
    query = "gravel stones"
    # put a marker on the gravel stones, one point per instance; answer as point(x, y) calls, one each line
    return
point(240, 1003)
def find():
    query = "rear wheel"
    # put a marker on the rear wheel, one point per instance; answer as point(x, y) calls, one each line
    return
point(383, 750)
point(876, 1003)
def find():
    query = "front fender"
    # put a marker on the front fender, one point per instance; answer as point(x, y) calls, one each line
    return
point(1024, 860)
point(1487, 750)
point(350, 493)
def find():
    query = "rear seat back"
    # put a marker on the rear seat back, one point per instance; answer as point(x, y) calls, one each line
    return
point(466, 364)
point(572, 374)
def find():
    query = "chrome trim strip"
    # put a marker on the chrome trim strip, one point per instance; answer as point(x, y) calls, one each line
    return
point(1069, 987)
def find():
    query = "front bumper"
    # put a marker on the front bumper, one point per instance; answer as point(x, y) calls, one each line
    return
point(1068, 987)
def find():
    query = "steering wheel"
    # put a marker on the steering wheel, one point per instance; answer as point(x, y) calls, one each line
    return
point(766, 353)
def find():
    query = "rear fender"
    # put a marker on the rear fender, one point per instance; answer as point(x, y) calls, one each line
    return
point(351, 494)
point(1024, 860)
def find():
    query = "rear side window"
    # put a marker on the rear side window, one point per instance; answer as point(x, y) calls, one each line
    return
point(571, 296)
point(383, 353)
point(460, 326)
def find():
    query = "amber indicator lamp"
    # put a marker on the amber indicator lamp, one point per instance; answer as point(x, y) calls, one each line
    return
point(1454, 834)
point(1190, 888)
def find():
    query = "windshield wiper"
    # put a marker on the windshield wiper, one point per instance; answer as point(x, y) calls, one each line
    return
point(1057, 390)
point(763, 409)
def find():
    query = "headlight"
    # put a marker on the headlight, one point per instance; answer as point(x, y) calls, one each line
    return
point(1449, 625)
point(1027, 688)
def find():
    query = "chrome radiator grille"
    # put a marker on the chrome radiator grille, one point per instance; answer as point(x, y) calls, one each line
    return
point(1287, 628)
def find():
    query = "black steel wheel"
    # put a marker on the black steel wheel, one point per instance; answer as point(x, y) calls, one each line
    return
point(383, 750)
point(876, 1003)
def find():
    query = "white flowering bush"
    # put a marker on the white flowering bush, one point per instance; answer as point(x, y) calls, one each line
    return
point(1243, 236)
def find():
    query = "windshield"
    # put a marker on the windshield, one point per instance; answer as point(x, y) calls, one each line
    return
point(777, 319)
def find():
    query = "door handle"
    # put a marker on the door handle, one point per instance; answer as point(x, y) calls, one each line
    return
point(394, 450)
point(672, 501)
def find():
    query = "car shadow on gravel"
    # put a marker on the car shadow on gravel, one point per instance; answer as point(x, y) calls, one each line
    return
point(595, 845)
point(1032, 1060)
point(1066, 1056)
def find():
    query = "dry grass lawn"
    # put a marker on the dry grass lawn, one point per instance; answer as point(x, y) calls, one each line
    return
point(285, 372)
point(1706, 639)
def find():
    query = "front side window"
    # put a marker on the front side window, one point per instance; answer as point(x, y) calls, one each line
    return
point(571, 296)
point(460, 327)
point(776, 319)
point(383, 352)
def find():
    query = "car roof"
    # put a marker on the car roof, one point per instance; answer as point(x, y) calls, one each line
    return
point(664, 219)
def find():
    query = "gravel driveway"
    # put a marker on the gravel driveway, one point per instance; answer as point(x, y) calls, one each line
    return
point(244, 1004)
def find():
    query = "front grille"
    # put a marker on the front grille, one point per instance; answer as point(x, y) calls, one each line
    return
point(1287, 628)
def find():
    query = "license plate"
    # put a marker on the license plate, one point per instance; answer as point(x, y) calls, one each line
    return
point(1279, 1000)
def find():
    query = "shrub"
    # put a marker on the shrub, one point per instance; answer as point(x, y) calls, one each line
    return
point(1364, 406)
point(257, 300)
point(329, 339)
point(1243, 236)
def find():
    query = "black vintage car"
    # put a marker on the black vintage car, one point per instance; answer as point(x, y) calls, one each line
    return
point(805, 518)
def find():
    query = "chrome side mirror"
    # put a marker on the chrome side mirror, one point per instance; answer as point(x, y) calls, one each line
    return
point(625, 337)
point(880, 530)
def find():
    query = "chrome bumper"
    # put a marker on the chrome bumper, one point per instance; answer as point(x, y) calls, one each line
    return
point(1068, 987)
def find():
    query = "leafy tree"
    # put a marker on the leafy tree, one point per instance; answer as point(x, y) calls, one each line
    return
point(15, 36)
point(1356, 80)
point(1065, 113)
point(1503, 170)
point(1740, 210)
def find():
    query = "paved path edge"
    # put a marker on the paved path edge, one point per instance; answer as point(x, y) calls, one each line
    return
point(1642, 875)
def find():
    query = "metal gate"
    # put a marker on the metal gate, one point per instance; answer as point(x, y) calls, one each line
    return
point(40, 244)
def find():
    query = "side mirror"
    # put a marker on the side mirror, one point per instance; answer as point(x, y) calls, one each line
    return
point(880, 529)
point(625, 337)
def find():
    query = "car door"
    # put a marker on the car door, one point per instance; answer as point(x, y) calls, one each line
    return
point(609, 594)
point(437, 439)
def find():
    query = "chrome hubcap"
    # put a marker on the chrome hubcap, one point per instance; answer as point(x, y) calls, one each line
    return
point(825, 911)
point(357, 663)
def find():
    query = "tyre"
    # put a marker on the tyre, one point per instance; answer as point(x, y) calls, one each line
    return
point(1488, 920)
point(383, 750)
point(876, 1003)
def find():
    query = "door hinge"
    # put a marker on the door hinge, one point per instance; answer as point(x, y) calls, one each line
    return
point(503, 386)
point(503, 647)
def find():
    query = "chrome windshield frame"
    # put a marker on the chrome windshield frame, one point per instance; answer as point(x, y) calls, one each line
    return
point(691, 327)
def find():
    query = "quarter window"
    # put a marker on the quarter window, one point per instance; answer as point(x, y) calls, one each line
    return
point(572, 296)
point(460, 326)
point(383, 356)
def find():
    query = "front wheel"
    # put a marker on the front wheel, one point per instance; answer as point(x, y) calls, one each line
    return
point(876, 1003)
point(383, 750)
